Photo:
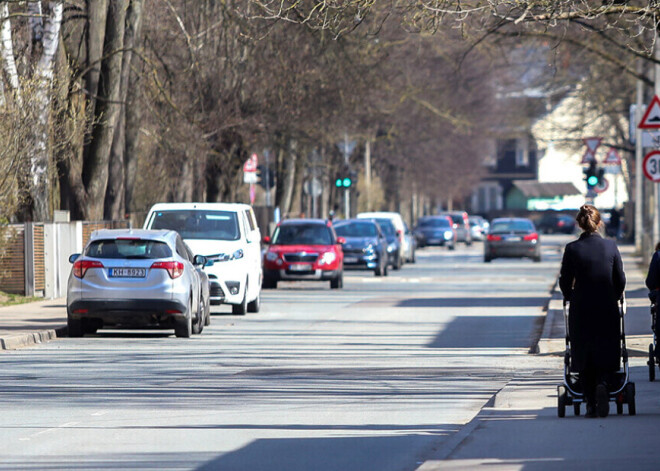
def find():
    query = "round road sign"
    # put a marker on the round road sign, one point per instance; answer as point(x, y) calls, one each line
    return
point(602, 186)
point(651, 166)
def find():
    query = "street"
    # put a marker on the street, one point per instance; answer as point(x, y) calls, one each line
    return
point(378, 376)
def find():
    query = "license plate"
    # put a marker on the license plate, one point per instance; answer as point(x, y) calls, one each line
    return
point(300, 267)
point(350, 259)
point(128, 272)
point(514, 239)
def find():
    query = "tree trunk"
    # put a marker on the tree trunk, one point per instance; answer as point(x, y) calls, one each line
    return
point(108, 108)
point(7, 52)
point(97, 14)
point(43, 74)
point(115, 204)
point(289, 179)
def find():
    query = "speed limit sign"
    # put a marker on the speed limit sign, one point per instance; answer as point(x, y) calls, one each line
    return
point(651, 166)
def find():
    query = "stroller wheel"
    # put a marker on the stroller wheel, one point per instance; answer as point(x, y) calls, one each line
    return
point(619, 407)
point(651, 363)
point(561, 401)
point(630, 398)
point(576, 408)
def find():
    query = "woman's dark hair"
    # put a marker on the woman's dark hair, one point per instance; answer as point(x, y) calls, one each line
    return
point(588, 218)
point(657, 246)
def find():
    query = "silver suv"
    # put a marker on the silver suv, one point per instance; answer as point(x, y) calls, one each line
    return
point(137, 278)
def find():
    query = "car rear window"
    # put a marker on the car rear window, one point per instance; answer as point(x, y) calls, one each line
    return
point(356, 229)
point(302, 234)
point(198, 223)
point(512, 226)
point(128, 248)
point(435, 222)
point(457, 218)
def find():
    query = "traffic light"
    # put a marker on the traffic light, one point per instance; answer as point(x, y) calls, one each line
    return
point(266, 178)
point(591, 176)
point(344, 179)
point(600, 177)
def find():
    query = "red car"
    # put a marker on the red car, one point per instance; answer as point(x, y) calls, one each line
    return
point(304, 249)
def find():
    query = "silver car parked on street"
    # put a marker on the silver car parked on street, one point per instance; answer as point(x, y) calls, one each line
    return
point(137, 279)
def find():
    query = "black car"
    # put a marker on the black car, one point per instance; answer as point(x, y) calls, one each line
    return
point(435, 230)
point(365, 247)
point(556, 224)
point(512, 238)
point(393, 242)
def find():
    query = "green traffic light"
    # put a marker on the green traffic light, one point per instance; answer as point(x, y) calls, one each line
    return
point(338, 183)
point(347, 182)
point(592, 180)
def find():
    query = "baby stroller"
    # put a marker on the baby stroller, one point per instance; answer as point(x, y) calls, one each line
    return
point(620, 389)
point(654, 354)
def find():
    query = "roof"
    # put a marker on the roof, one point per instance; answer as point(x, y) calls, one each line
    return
point(536, 189)
point(138, 233)
point(207, 206)
point(304, 221)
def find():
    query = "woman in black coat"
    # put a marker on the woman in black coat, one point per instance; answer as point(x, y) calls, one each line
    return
point(592, 279)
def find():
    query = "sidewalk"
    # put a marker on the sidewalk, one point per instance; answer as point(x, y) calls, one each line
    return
point(519, 428)
point(31, 323)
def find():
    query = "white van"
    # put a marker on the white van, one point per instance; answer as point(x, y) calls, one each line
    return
point(228, 236)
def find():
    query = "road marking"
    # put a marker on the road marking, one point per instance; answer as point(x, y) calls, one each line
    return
point(48, 430)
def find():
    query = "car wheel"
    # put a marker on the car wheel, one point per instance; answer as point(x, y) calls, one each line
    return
point(199, 323)
point(74, 327)
point(451, 247)
point(397, 263)
point(468, 242)
point(241, 309)
point(207, 313)
point(268, 283)
point(337, 282)
point(184, 328)
point(414, 257)
point(487, 259)
point(254, 306)
point(537, 259)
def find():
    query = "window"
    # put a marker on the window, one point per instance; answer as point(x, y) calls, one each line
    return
point(522, 152)
point(199, 224)
point(128, 248)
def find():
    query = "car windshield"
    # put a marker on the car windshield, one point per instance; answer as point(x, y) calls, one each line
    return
point(512, 226)
point(434, 222)
point(457, 218)
point(387, 227)
point(198, 224)
point(128, 248)
point(356, 229)
point(302, 234)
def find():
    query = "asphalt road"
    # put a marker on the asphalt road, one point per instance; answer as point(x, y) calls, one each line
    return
point(371, 377)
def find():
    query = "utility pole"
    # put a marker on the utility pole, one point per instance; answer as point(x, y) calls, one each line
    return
point(639, 214)
point(347, 191)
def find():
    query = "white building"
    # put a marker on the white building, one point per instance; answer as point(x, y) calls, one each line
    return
point(558, 135)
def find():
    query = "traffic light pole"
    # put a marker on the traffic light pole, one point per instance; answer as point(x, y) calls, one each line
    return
point(347, 191)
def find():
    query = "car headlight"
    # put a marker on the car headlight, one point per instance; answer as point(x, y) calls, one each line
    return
point(271, 256)
point(238, 254)
point(391, 247)
point(327, 258)
point(449, 235)
point(369, 249)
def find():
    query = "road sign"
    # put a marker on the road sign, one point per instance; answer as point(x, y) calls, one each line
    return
point(313, 187)
point(651, 166)
point(651, 138)
point(612, 157)
point(250, 177)
point(592, 143)
point(588, 157)
point(251, 164)
point(651, 119)
point(603, 185)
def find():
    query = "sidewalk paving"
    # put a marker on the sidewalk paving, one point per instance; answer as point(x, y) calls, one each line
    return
point(519, 428)
point(27, 324)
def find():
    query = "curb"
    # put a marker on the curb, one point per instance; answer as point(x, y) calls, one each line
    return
point(13, 342)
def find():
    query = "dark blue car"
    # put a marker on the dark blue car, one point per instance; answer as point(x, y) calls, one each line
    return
point(365, 247)
point(435, 230)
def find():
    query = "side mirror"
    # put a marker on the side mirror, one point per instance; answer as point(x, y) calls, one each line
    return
point(341, 240)
point(200, 260)
point(73, 257)
point(266, 240)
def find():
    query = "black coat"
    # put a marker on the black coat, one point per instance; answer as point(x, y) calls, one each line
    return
point(592, 279)
point(653, 277)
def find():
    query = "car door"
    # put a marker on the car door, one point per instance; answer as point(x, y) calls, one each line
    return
point(253, 251)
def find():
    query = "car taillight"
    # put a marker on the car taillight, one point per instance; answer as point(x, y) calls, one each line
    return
point(492, 237)
point(560, 223)
point(532, 236)
point(80, 267)
point(175, 269)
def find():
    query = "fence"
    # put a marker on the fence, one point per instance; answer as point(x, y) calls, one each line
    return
point(35, 259)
